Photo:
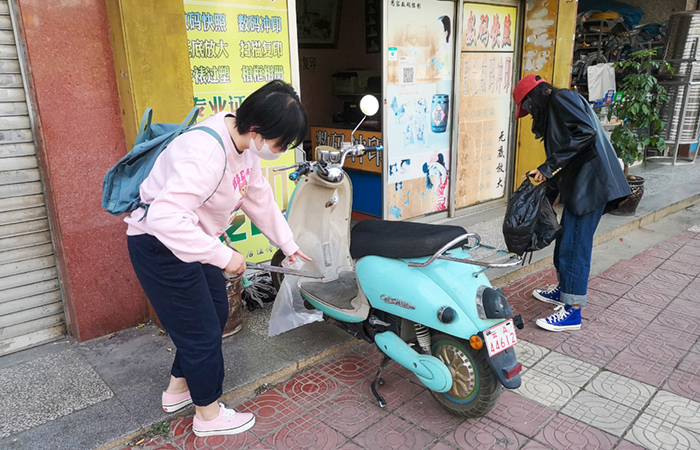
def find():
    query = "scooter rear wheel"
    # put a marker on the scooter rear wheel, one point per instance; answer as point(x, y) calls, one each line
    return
point(475, 389)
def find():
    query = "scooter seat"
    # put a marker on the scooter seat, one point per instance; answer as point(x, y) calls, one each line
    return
point(392, 239)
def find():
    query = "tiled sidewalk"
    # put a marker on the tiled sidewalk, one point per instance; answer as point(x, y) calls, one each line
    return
point(629, 379)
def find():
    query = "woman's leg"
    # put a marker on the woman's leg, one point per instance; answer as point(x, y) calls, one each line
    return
point(181, 296)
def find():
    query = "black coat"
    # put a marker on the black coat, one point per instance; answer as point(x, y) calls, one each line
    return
point(581, 162)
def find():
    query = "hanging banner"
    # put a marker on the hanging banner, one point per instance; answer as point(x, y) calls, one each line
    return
point(237, 46)
point(420, 45)
point(486, 70)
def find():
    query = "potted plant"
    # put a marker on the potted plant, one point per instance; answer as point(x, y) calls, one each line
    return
point(638, 110)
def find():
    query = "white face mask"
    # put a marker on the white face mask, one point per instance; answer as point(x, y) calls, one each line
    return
point(265, 152)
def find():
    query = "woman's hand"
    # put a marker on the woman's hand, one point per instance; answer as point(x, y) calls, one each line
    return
point(236, 264)
point(291, 259)
point(537, 176)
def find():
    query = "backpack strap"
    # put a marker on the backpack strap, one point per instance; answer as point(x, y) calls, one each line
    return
point(216, 136)
point(144, 133)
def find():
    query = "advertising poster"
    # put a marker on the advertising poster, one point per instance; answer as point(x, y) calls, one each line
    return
point(486, 76)
point(420, 41)
point(236, 46)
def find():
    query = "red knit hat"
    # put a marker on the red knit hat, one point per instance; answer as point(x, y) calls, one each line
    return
point(523, 88)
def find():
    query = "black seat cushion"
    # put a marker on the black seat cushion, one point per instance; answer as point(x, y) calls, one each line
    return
point(399, 239)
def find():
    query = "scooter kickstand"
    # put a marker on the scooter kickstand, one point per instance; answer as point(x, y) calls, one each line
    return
point(379, 380)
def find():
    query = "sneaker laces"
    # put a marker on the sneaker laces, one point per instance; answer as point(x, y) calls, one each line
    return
point(551, 289)
point(560, 313)
point(226, 412)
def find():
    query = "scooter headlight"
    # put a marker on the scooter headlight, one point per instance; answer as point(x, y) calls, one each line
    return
point(492, 304)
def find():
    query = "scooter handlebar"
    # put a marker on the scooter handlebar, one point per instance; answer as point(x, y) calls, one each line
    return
point(301, 170)
point(374, 148)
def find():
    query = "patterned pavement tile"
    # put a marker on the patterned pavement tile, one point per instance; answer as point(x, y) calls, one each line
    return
point(426, 412)
point(622, 390)
point(648, 260)
point(350, 369)
point(684, 258)
point(691, 248)
point(661, 251)
point(534, 445)
point(600, 412)
point(627, 308)
point(245, 441)
point(684, 384)
point(520, 414)
point(591, 312)
point(545, 390)
point(528, 354)
point(648, 296)
point(485, 434)
point(642, 369)
point(625, 272)
point(306, 432)
point(350, 445)
point(672, 280)
point(536, 335)
point(396, 390)
point(394, 433)
point(627, 445)
point(601, 298)
point(681, 305)
point(608, 286)
point(565, 433)
point(680, 267)
point(311, 388)
point(612, 337)
point(662, 342)
point(181, 426)
point(676, 409)
point(691, 362)
point(682, 238)
point(655, 433)
point(616, 317)
point(563, 367)
point(272, 410)
point(580, 346)
point(681, 330)
point(349, 414)
point(442, 446)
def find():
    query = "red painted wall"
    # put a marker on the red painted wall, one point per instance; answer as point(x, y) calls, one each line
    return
point(79, 135)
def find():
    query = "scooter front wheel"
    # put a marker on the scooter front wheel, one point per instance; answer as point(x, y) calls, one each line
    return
point(277, 278)
point(475, 388)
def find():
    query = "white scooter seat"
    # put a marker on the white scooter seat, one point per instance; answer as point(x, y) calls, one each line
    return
point(392, 239)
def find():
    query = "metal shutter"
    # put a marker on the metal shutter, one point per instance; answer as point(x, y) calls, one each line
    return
point(31, 306)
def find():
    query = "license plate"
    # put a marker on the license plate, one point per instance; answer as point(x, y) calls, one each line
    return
point(500, 337)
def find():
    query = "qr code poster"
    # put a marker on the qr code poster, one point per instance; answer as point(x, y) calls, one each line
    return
point(407, 75)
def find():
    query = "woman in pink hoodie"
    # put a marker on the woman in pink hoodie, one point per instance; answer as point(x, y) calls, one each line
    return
point(192, 193)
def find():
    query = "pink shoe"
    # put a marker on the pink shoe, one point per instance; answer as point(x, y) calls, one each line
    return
point(175, 402)
point(228, 422)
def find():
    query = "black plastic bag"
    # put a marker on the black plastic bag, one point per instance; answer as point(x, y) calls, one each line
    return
point(530, 223)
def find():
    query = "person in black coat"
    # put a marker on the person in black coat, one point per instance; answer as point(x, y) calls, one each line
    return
point(583, 173)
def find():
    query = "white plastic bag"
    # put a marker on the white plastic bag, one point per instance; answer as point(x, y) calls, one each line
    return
point(601, 79)
point(289, 311)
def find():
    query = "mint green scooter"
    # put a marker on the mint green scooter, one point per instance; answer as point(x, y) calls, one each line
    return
point(416, 290)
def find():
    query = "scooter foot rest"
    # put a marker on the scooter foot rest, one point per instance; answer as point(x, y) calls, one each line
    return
point(429, 370)
point(337, 293)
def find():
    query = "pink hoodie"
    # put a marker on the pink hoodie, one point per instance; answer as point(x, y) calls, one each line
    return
point(184, 175)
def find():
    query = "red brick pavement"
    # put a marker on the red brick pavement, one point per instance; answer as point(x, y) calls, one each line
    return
point(637, 311)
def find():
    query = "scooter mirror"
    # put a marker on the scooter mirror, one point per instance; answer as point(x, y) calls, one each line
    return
point(369, 105)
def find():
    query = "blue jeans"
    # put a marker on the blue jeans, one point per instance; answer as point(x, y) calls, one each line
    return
point(192, 305)
point(572, 255)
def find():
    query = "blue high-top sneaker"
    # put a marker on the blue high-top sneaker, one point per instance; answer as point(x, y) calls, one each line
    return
point(550, 295)
point(565, 318)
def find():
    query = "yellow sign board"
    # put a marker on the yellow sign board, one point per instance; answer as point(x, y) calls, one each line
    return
point(235, 47)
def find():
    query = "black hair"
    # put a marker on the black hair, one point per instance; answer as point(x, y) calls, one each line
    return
point(275, 112)
point(539, 106)
point(446, 24)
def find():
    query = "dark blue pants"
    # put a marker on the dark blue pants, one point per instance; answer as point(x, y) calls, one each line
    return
point(191, 303)
point(572, 255)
